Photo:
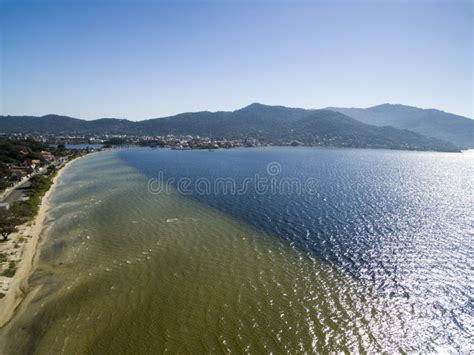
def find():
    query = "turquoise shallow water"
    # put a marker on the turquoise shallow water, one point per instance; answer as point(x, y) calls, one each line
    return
point(377, 258)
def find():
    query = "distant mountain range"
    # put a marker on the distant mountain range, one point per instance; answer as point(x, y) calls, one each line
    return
point(456, 129)
point(385, 126)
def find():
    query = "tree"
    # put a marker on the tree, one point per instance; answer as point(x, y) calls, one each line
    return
point(8, 223)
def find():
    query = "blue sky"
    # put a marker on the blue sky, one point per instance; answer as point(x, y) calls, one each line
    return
point(143, 59)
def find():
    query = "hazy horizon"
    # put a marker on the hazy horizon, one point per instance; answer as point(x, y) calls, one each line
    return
point(140, 60)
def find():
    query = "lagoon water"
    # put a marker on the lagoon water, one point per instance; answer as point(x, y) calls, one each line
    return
point(359, 250)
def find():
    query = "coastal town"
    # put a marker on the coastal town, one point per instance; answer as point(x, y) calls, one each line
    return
point(180, 142)
point(17, 173)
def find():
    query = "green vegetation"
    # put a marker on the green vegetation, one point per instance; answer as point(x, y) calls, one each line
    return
point(26, 210)
point(116, 141)
point(10, 272)
point(8, 223)
point(15, 152)
point(21, 212)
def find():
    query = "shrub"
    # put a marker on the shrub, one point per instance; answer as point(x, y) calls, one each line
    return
point(10, 272)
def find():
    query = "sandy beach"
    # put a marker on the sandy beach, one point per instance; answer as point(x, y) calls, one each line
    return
point(22, 247)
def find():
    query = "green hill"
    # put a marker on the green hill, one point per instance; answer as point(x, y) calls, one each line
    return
point(456, 129)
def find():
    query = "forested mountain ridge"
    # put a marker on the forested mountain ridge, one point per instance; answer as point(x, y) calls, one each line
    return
point(456, 129)
point(270, 124)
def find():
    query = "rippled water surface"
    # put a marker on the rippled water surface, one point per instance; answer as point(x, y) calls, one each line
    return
point(376, 256)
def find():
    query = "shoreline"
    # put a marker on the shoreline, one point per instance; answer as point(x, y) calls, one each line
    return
point(32, 231)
